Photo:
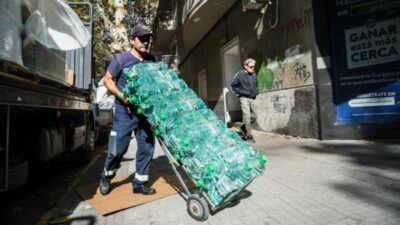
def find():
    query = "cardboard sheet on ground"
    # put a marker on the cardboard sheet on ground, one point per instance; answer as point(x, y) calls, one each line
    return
point(121, 197)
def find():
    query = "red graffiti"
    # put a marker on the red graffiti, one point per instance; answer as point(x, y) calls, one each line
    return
point(296, 24)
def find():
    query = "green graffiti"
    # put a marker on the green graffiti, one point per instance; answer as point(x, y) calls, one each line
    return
point(265, 78)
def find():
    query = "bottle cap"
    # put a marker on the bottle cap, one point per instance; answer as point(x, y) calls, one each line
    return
point(127, 76)
point(248, 167)
point(144, 95)
point(125, 91)
point(210, 169)
point(140, 111)
point(177, 157)
point(200, 183)
point(184, 143)
point(132, 100)
point(262, 159)
point(163, 117)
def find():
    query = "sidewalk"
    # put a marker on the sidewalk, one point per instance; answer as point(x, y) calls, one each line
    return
point(306, 182)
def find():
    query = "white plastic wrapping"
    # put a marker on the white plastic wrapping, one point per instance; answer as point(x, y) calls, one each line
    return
point(10, 26)
point(55, 25)
point(48, 63)
point(104, 98)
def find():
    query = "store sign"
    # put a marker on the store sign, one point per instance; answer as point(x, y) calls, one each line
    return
point(365, 40)
point(375, 45)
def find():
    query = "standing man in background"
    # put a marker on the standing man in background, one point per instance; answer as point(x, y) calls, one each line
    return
point(244, 85)
point(126, 119)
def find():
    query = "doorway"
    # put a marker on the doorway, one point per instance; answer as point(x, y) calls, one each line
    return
point(230, 66)
point(202, 83)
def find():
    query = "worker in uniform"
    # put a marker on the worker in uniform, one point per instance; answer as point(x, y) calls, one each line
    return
point(126, 119)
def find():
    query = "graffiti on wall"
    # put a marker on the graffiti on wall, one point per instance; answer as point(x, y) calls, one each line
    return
point(279, 103)
point(292, 71)
point(295, 25)
point(274, 109)
point(290, 111)
point(302, 73)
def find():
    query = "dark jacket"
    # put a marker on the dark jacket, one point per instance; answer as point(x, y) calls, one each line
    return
point(245, 85)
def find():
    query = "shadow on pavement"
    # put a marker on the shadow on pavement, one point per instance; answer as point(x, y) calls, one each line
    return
point(380, 171)
point(380, 155)
point(232, 203)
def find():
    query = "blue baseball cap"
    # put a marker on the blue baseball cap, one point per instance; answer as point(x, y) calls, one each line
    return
point(140, 30)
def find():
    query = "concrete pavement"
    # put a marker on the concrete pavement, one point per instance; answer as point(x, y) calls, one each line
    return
point(306, 182)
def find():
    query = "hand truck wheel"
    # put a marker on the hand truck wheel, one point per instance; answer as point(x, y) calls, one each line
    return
point(197, 207)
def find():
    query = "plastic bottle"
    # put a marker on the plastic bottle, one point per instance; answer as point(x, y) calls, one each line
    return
point(216, 157)
point(241, 171)
point(218, 190)
point(196, 136)
point(259, 163)
point(194, 166)
point(170, 74)
point(180, 107)
point(196, 117)
point(236, 154)
point(144, 68)
point(129, 74)
point(159, 95)
point(208, 173)
point(150, 67)
point(160, 108)
point(164, 103)
point(155, 76)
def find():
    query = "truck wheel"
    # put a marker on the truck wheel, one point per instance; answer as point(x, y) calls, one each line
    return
point(88, 149)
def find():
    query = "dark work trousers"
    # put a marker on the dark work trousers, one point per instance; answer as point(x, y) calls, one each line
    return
point(123, 124)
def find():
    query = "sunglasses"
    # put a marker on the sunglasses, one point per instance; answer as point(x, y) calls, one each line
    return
point(144, 39)
point(251, 67)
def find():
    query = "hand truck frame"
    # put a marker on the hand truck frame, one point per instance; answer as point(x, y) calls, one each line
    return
point(198, 204)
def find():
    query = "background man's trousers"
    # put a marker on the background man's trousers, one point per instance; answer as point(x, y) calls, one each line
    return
point(248, 106)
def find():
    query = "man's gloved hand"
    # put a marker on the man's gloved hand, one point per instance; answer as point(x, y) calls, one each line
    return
point(124, 99)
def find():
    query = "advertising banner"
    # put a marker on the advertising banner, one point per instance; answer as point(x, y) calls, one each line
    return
point(365, 59)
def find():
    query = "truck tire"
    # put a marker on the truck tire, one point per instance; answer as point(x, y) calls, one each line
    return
point(17, 173)
point(87, 151)
point(88, 148)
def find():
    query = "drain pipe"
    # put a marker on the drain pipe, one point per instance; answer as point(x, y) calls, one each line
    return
point(276, 15)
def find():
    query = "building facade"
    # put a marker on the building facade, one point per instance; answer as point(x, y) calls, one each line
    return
point(325, 69)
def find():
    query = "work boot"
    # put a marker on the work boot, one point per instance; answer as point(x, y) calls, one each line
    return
point(105, 186)
point(243, 129)
point(250, 139)
point(144, 190)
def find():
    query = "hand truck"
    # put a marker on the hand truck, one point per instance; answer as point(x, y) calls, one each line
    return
point(198, 204)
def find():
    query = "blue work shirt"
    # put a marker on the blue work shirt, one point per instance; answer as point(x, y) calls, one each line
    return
point(118, 64)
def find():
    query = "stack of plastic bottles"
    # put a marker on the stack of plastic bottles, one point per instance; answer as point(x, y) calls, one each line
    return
point(214, 156)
